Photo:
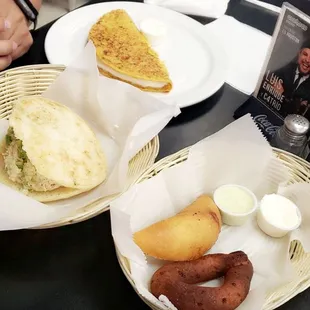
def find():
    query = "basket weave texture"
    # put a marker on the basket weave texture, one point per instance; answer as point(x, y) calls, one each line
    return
point(300, 172)
point(33, 81)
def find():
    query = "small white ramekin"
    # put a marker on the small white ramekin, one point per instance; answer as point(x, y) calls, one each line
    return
point(154, 30)
point(272, 230)
point(235, 219)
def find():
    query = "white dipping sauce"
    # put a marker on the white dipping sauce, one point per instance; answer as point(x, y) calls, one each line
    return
point(234, 199)
point(280, 211)
point(153, 29)
point(278, 216)
point(236, 203)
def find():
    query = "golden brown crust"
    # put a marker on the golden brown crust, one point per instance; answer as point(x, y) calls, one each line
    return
point(166, 89)
point(121, 46)
point(177, 282)
point(185, 236)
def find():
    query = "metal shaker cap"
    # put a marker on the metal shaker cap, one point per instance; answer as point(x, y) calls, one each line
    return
point(297, 124)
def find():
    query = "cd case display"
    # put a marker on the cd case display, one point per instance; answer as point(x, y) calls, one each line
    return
point(284, 86)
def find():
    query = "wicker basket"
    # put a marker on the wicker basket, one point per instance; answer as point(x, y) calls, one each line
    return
point(300, 172)
point(34, 80)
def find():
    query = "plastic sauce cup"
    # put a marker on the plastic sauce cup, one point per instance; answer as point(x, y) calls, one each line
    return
point(270, 227)
point(233, 195)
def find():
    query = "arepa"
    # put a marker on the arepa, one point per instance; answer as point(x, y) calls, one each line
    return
point(124, 53)
point(50, 152)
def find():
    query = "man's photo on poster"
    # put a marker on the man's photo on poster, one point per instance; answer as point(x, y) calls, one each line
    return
point(285, 84)
point(294, 84)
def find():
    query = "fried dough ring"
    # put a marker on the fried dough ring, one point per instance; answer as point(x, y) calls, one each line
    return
point(177, 281)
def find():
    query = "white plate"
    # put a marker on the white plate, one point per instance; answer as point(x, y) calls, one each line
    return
point(196, 61)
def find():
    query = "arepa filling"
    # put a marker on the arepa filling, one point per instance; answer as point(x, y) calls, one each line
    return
point(19, 168)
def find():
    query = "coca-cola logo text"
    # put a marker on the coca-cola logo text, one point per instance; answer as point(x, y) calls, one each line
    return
point(263, 122)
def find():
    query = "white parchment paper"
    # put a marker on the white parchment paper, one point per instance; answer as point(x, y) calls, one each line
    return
point(237, 154)
point(123, 118)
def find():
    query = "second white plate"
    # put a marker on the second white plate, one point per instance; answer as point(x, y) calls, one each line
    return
point(196, 61)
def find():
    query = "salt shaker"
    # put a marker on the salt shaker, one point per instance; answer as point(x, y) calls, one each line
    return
point(292, 136)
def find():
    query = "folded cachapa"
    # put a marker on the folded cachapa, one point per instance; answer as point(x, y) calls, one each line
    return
point(49, 152)
point(124, 53)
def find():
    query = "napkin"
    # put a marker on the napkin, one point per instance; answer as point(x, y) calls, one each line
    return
point(246, 48)
point(124, 119)
point(214, 161)
point(208, 8)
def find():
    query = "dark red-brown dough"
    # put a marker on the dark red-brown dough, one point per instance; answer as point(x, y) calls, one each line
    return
point(178, 282)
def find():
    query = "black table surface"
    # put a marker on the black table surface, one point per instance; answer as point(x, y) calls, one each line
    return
point(75, 267)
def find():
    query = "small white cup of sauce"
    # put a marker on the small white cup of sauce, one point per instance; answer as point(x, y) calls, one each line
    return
point(236, 203)
point(154, 30)
point(277, 216)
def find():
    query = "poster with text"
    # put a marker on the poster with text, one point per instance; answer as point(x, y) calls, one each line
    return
point(284, 86)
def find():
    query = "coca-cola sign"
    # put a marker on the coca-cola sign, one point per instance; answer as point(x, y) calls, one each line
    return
point(265, 125)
